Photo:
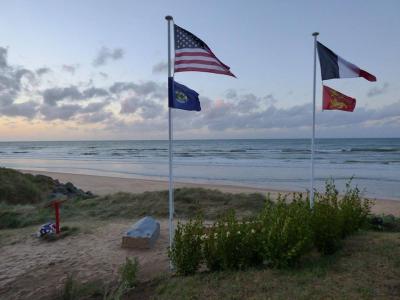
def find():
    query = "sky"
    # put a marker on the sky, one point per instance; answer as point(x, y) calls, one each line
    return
point(95, 69)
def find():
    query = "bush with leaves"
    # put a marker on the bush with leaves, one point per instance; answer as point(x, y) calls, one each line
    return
point(286, 231)
point(384, 222)
point(231, 244)
point(327, 220)
point(186, 250)
point(279, 236)
point(354, 210)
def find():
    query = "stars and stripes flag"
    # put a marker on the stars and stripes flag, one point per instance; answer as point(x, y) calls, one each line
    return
point(192, 54)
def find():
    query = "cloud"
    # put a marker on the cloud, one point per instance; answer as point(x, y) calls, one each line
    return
point(141, 106)
point(62, 112)
point(375, 91)
point(143, 89)
point(15, 80)
point(103, 74)
point(70, 68)
point(270, 99)
point(94, 92)
point(160, 68)
point(119, 87)
point(95, 107)
point(96, 117)
point(147, 109)
point(105, 55)
point(231, 94)
point(53, 95)
point(26, 109)
point(3, 57)
point(42, 71)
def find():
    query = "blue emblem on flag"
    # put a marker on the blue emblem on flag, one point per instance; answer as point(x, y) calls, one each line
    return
point(181, 97)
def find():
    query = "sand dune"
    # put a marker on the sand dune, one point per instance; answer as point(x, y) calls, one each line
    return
point(103, 185)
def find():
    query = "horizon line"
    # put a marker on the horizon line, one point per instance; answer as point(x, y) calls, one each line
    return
point(200, 139)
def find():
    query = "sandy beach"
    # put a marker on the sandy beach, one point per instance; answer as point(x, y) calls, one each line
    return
point(103, 185)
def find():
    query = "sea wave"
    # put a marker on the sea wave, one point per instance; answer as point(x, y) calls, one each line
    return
point(371, 150)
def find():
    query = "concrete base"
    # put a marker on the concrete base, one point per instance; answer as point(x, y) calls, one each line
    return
point(143, 234)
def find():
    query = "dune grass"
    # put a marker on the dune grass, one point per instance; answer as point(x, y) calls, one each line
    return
point(19, 188)
point(188, 203)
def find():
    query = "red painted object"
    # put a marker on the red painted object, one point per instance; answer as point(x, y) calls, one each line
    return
point(56, 204)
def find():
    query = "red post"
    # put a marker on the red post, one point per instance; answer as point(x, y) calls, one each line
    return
point(57, 209)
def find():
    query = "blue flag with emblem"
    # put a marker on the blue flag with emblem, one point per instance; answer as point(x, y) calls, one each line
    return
point(181, 97)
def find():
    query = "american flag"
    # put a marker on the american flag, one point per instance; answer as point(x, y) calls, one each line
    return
point(192, 54)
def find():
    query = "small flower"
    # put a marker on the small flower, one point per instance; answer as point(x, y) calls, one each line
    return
point(253, 231)
point(227, 233)
point(238, 232)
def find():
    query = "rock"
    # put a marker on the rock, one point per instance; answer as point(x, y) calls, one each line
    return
point(142, 235)
point(67, 190)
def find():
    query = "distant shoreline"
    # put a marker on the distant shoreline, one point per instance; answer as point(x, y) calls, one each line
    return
point(103, 185)
point(164, 140)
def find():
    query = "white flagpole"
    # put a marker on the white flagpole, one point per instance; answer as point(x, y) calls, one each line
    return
point(315, 34)
point(170, 149)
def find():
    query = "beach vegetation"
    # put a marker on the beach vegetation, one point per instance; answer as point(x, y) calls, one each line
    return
point(127, 280)
point(389, 223)
point(335, 217)
point(286, 231)
point(17, 188)
point(277, 236)
point(186, 254)
point(366, 267)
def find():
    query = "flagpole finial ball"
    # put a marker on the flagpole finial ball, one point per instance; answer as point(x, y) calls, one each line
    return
point(315, 33)
point(168, 18)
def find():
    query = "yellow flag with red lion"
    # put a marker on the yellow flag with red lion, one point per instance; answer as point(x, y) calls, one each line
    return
point(334, 100)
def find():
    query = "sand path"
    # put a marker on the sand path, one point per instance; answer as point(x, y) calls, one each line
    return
point(34, 269)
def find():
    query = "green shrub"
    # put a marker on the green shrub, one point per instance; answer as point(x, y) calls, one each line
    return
point(128, 272)
point(354, 210)
point(387, 223)
point(186, 250)
point(286, 231)
point(327, 228)
point(279, 236)
point(334, 217)
point(327, 220)
point(74, 289)
point(231, 244)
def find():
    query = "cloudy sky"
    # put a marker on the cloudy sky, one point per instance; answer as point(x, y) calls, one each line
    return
point(79, 70)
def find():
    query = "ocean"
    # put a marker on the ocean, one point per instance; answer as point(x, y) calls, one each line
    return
point(283, 164)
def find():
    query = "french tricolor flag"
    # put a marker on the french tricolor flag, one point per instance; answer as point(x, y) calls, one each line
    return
point(333, 66)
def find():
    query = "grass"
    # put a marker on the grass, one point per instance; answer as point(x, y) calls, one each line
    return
point(188, 203)
point(367, 267)
point(65, 231)
point(19, 188)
